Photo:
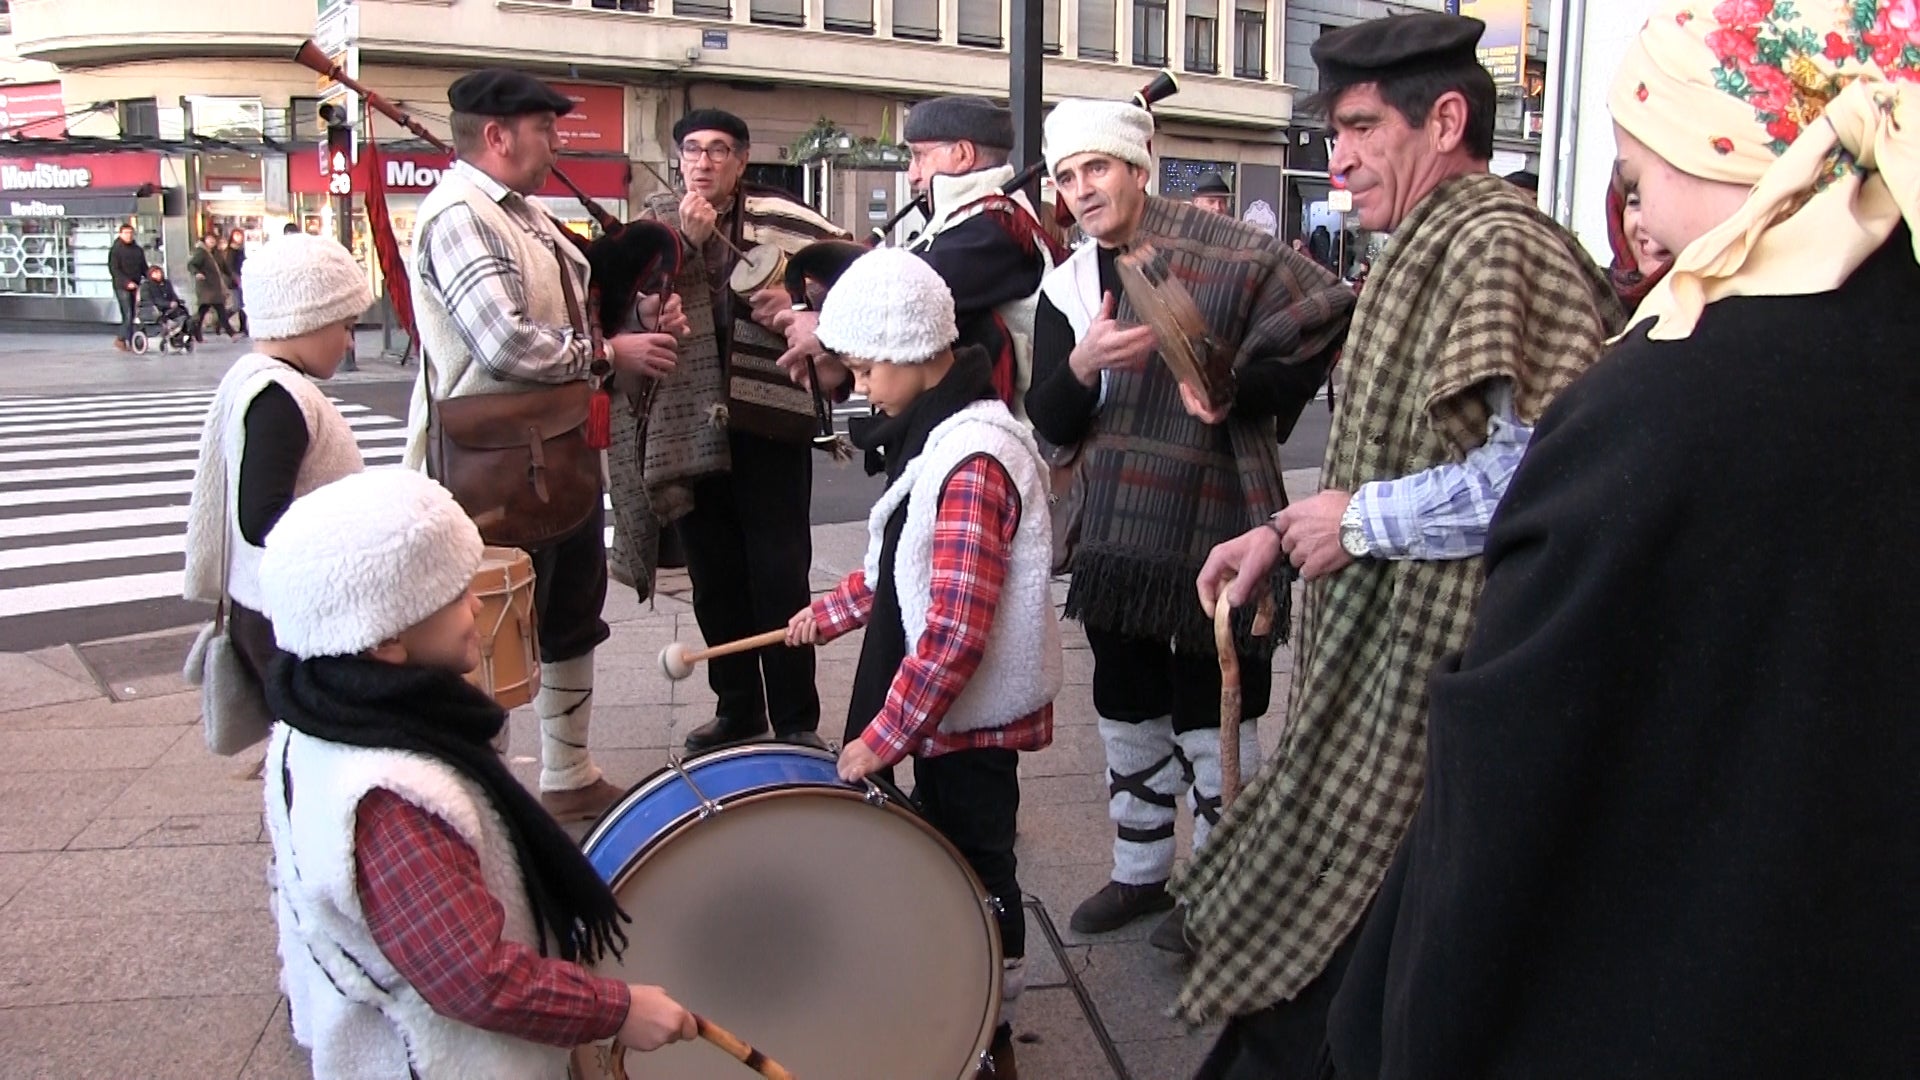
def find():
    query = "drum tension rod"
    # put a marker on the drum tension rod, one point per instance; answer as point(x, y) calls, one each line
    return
point(874, 796)
point(708, 807)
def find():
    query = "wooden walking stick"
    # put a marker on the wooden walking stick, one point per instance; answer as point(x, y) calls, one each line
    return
point(1230, 700)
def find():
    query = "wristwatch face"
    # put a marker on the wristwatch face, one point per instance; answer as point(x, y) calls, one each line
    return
point(1354, 539)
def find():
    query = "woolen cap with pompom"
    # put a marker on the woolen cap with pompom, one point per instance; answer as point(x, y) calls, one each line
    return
point(355, 562)
point(298, 284)
point(889, 306)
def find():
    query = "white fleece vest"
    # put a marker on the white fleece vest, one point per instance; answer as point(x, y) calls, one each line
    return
point(1073, 288)
point(350, 1007)
point(332, 453)
point(454, 370)
point(958, 198)
point(1021, 670)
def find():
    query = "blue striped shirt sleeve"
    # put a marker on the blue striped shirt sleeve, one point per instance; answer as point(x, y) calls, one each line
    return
point(1443, 512)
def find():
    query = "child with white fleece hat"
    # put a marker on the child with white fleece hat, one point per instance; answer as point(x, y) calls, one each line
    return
point(962, 659)
point(433, 916)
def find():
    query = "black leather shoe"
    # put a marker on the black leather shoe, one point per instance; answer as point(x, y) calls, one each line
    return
point(803, 738)
point(1116, 905)
point(724, 731)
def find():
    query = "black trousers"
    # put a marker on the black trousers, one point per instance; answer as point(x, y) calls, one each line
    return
point(1137, 679)
point(749, 548)
point(200, 320)
point(570, 589)
point(973, 798)
point(129, 301)
point(1287, 1041)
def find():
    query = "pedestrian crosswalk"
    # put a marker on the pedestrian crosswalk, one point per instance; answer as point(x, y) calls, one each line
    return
point(94, 492)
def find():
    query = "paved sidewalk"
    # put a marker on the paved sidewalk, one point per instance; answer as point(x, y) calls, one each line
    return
point(135, 938)
point(87, 363)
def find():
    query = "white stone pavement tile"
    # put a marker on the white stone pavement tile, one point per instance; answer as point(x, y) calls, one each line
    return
point(43, 811)
point(102, 958)
point(181, 830)
point(138, 883)
point(30, 684)
point(16, 869)
point(276, 1056)
point(99, 713)
point(81, 750)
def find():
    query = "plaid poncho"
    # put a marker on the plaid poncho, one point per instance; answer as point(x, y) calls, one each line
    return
point(1476, 285)
point(1162, 488)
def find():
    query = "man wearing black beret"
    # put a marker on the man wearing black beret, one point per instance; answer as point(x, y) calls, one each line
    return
point(494, 318)
point(986, 244)
point(739, 491)
point(1213, 195)
point(1479, 314)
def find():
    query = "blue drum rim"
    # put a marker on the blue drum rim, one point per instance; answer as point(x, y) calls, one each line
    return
point(631, 865)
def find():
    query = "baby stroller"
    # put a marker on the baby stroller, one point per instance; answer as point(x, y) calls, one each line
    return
point(166, 330)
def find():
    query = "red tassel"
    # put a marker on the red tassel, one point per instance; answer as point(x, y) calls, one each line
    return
point(600, 420)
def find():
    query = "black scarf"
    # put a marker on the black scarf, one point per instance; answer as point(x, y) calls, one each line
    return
point(897, 440)
point(355, 701)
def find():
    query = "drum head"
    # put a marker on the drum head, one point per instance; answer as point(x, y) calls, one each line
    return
point(844, 940)
point(757, 269)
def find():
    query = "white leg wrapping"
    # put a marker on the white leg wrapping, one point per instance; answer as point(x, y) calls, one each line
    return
point(1144, 781)
point(565, 705)
point(1202, 748)
point(1013, 983)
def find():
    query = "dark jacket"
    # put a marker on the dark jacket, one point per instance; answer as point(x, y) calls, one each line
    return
point(158, 294)
point(127, 262)
point(210, 276)
point(1668, 829)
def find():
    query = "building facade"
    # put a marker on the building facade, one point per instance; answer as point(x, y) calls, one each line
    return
point(212, 125)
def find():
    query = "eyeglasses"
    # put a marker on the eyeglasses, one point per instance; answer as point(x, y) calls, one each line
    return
point(919, 154)
point(718, 153)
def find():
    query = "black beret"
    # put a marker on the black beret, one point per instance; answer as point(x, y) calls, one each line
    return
point(1525, 179)
point(961, 116)
point(712, 120)
point(1211, 183)
point(500, 92)
point(1397, 45)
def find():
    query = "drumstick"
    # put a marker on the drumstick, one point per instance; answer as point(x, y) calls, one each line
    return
point(668, 184)
point(740, 1051)
point(676, 660)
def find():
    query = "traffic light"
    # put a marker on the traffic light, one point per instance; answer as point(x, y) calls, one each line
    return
point(339, 149)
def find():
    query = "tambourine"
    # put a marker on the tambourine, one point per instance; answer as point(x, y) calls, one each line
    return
point(1162, 302)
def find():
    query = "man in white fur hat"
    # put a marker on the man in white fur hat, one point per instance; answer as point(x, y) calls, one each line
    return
point(1165, 474)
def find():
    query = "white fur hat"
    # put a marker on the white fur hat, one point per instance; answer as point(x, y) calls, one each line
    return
point(355, 562)
point(297, 284)
point(1083, 126)
point(891, 306)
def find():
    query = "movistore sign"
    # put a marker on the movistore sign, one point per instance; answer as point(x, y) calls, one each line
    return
point(43, 176)
point(410, 174)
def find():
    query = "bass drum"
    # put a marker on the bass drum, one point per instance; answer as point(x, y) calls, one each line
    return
point(825, 923)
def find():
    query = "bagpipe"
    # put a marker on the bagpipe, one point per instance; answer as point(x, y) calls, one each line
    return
point(629, 259)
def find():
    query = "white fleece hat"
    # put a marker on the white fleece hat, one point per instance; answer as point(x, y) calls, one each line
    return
point(297, 284)
point(351, 564)
point(1083, 126)
point(891, 306)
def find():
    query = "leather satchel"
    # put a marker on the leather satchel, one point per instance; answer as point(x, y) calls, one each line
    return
point(519, 464)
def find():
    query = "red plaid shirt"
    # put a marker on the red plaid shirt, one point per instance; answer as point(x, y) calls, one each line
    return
point(972, 545)
point(431, 914)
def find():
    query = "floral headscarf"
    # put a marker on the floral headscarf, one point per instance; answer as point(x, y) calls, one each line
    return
point(1816, 103)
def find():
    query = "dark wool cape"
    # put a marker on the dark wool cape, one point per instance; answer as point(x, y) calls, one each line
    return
point(1668, 824)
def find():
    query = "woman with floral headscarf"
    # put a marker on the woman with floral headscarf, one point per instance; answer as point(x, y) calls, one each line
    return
point(1667, 829)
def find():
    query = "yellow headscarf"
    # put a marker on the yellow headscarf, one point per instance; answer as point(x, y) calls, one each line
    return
point(1816, 103)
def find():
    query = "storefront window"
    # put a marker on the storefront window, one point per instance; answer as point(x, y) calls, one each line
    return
point(66, 256)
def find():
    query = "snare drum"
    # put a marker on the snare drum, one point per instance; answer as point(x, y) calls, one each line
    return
point(825, 923)
point(509, 668)
point(763, 266)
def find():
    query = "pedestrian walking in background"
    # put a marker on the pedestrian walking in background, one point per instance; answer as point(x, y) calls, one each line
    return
point(210, 287)
point(127, 264)
point(235, 257)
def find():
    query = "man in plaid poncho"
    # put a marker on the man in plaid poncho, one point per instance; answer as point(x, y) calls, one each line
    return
point(1480, 312)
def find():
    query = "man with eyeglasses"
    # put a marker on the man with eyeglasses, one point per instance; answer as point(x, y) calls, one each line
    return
point(729, 443)
point(987, 245)
point(494, 318)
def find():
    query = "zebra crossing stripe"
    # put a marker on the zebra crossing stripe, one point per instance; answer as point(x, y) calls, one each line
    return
point(88, 426)
point(393, 433)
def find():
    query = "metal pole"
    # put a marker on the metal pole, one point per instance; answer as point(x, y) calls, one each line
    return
point(1026, 58)
point(343, 229)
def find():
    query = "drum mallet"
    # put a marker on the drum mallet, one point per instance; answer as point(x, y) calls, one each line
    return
point(611, 1061)
point(676, 660)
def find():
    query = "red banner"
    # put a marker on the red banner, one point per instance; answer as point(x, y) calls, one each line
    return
point(598, 120)
point(33, 111)
point(392, 267)
point(117, 171)
point(414, 172)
